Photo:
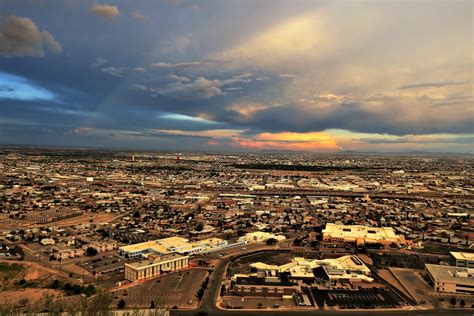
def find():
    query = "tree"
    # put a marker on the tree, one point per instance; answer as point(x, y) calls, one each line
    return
point(121, 304)
point(91, 251)
point(98, 304)
point(452, 301)
point(24, 301)
point(50, 305)
point(199, 227)
point(297, 242)
point(271, 241)
point(89, 290)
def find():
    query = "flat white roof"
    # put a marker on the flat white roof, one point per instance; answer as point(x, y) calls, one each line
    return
point(462, 255)
point(359, 231)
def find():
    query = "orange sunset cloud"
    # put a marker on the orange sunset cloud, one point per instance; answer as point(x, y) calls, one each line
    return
point(290, 141)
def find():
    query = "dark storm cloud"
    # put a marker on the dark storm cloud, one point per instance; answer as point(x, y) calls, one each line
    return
point(420, 140)
point(158, 67)
point(20, 37)
point(353, 117)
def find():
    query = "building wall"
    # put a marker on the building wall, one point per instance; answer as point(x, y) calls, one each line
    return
point(465, 263)
point(155, 269)
point(450, 287)
point(262, 290)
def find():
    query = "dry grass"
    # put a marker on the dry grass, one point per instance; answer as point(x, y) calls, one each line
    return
point(33, 295)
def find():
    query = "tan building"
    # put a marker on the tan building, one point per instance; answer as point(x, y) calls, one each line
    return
point(461, 259)
point(258, 236)
point(154, 266)
point(66, 253)
point(361, 235)
point(451, 279)
point(101, 246)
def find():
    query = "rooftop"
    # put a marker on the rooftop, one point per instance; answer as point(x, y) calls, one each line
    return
point(451, 274)
point(462, 255)
point(360, 231)
point(155, 260)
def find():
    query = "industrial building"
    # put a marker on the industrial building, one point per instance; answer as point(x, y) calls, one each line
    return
point(154, 266)
point(451, 279)
point(360, 235)
point(462, 259)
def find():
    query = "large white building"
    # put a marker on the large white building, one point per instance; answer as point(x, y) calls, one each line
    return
point(154, 266)
point(284, 280)
point(360, 234)
point(174, 245)
point(348, 267)
point(451, 279)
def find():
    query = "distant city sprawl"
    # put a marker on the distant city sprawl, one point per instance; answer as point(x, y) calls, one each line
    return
point(204, 232)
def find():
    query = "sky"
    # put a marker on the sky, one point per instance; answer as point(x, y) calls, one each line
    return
point(238, 75)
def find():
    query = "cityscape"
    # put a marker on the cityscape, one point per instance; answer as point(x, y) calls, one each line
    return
point(224, 158)
point(197, 232)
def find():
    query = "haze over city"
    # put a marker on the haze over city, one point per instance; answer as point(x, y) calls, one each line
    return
point(237, 76)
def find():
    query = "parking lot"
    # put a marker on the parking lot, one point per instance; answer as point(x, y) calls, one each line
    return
point(175, 289)
point(235, 302)
point(102, 264)
point(362, 298)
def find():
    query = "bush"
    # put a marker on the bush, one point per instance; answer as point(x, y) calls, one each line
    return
point(271, 241)
point(121, 304)
point(452, 301)
point(91, 251)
